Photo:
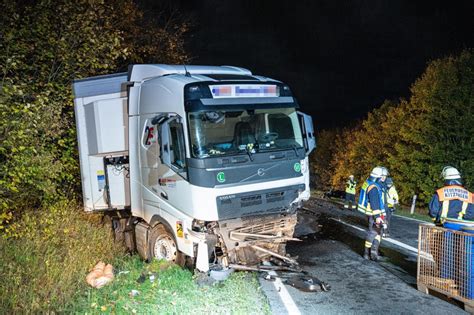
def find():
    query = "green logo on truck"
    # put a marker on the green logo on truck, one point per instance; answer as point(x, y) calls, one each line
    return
point(297, 167)
point(221, 177)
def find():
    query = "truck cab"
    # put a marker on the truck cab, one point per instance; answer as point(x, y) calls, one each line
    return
point(198, 164)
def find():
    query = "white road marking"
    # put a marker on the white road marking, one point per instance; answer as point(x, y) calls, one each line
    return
point(388, 239)
point(285, 296)
point(401, 216)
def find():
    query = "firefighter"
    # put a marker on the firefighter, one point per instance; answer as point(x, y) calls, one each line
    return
point(372, 203)
point(350, 193)
point(452, 201)
point(392, 201)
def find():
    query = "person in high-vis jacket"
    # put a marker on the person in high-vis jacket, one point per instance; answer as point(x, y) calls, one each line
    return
point(452, 201)
point(372, 204)
point(392, 202)
point(350, 193)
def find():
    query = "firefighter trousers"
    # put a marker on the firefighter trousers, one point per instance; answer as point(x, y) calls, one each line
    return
point(374, 236)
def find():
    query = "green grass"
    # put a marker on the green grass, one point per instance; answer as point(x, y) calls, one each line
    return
point(44, 263)
point(174, 291)
point(43, 267)
point(405, 212)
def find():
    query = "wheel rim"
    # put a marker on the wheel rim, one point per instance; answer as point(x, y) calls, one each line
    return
point(165, 248)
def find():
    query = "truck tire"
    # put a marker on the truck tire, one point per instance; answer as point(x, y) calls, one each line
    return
point(162, 245)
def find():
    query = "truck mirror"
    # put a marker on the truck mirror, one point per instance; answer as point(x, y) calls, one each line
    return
point(307, 130)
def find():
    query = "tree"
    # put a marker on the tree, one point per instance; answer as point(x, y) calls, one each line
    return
point(321, 168)
point(439, 125)
point(415, 138)
point(44, 46)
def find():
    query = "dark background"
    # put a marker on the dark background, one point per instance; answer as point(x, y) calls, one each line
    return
point(341, 58)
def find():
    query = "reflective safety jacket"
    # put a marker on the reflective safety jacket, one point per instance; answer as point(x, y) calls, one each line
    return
point(392, 197)
point(371, 199)
point(454, 202)
point(351, 187)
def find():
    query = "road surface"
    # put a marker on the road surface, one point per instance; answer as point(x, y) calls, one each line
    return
point(331, 248)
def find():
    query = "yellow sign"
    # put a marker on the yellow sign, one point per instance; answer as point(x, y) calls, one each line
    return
point(179, 229)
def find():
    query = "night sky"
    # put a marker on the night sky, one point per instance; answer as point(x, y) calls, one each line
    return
point(340, 58)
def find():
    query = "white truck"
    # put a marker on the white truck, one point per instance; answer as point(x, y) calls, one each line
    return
point(203, 165)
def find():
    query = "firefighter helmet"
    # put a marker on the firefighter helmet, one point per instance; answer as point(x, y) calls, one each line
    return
point(450, 172)
point(378, 172)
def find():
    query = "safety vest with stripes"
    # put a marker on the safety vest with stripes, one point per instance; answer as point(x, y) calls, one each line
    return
point(449, 193)
point(351, 187)
point(364, 204)
point(392, 197)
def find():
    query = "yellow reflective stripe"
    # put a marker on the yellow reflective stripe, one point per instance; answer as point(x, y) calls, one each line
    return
point(378, 238)
point(375, 212)
point(362, 209)
point(368, 244)
point(444, 212)
point(463, 210)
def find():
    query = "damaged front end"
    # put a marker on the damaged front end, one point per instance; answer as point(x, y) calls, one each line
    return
point(251, 240)
point(245, 242)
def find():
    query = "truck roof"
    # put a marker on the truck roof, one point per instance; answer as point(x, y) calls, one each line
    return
point(114, 83)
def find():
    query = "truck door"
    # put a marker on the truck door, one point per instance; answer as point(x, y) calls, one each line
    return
point(149, 157)
point(172, 172)
point(163, 159)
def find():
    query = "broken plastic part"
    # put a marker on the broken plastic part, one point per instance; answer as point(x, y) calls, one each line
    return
point(222, 274)
point(308, 284)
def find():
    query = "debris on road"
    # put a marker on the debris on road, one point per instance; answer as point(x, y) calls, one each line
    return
point(308, 284)
point(134, 293)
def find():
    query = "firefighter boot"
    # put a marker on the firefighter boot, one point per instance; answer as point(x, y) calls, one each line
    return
point(366, 253)
point(374, 255)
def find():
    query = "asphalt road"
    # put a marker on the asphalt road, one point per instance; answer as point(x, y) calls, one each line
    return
point(331, 251)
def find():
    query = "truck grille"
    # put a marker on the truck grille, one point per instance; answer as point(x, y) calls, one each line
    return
point(250, 201)
point(274, 200)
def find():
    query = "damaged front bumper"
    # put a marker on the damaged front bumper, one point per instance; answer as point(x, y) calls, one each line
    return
point(245, 241)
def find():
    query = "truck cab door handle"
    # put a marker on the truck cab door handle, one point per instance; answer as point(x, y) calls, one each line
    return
point(164, 195)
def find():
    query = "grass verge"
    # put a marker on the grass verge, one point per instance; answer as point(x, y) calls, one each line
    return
point(43, 266)
point(418, 216)
point(173, 291)
point(404, 212)
point(44, 262)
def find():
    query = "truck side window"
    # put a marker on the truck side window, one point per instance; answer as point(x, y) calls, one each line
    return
point(177, 150)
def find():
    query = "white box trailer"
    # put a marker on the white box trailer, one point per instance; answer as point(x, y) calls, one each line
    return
point(197, 164)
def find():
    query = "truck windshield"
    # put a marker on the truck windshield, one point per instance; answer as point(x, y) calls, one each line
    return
point(217, 133)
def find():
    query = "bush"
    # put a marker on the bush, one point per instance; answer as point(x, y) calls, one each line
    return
point(44, 46)
point(43, 266)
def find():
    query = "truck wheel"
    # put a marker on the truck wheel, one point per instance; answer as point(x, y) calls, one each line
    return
point(163, 246)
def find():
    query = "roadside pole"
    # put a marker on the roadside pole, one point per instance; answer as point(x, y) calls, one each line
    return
point(413, 203)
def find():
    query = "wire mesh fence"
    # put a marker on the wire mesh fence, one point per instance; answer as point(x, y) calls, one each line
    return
point(445, 260)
